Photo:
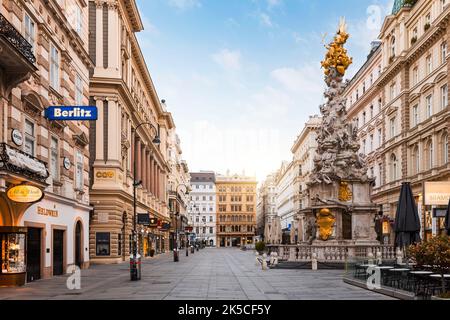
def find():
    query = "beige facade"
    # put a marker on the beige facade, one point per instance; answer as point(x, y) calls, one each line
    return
point(236, 210)
point(268, 222)
point(44, 62)
point(178, 190)
point(400, 97)
point(303, 150)
point(123, 91)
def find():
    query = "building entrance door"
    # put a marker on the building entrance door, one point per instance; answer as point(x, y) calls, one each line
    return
point(58, 252)
point(78, 246)
point(33, 254)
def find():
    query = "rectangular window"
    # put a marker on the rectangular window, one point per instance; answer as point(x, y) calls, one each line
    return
point(444, 52)
point(29, 31)
point(429, 64)
point(211, 230)
point(429, 105)
point(78, 20)
point(78, 91)
point(119, 244)
point(392, 127)
point(444, 96)
point(102, 243)
point(392, 90)
point(415, 76)
point(371, 143)
point(380, 138)
point(54, 158)
point(79, 172)
point(415, 115)
point(29, 137)
point(54, 67)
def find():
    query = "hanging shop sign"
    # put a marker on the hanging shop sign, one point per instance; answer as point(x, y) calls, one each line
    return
point(24, 194)
point(386, 227)
point(66, 163)
point(143, 219)
point(165, 227)
point(17, 137)
point(437, 193)
point(439, 213)
point(153, 222)
point(71, 113)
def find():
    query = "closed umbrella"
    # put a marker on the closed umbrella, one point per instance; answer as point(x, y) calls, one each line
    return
point(407, 222)
point(447, 219)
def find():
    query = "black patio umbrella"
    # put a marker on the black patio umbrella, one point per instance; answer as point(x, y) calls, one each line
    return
point(447, 219)
point(407, 222)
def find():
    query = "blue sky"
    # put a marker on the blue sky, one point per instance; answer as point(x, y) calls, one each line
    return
point(241, 77)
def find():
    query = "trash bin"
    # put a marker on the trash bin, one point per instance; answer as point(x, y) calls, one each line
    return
point(135, 267)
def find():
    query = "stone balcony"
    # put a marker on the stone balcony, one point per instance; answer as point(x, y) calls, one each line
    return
point(16, 57)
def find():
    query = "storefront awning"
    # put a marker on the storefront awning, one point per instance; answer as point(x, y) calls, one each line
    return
point(19, 162)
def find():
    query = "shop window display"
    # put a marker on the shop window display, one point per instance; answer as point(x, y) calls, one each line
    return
point(12, 253)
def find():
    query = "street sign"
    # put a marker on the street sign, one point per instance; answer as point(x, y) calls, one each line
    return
point(143, 219)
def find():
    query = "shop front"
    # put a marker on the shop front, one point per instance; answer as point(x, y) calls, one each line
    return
point(22, 184)
point(58, 237)
point(436, 197)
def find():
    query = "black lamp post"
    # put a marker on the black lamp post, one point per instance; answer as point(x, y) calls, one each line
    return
point(134, 270)
point(177, 214)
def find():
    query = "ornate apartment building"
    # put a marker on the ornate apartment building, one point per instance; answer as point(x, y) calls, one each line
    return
point(122, 89)
point(203, 208)
point(44, 62)
point(399, 99)
point(178, 191)
point(268, 222)
point(236, 210)
point(303, 150)
point(284, 199)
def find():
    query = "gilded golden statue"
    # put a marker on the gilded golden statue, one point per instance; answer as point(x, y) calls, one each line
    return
point(337, 56)
point(325, 221)
point(345, 194)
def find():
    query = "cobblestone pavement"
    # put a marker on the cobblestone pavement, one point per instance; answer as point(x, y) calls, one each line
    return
point(224, 274)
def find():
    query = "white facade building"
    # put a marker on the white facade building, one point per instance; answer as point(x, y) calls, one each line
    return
point(202, 209)
point(285, 198)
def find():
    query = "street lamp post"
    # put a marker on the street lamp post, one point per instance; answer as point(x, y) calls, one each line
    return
point(134, 271)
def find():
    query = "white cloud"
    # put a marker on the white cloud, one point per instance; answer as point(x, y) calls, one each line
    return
point(273, 3)
point(184, 4)
point(265, 20)
point(228, 59)
point(307, 79)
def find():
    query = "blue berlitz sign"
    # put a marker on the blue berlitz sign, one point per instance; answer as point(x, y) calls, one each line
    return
point(69, 113)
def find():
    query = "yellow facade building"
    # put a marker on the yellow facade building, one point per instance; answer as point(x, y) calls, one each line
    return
point(236, 210)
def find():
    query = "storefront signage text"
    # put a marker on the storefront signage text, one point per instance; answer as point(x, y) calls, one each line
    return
point(71, 113)
point(437, 193)
point(24, 194)
point(105, 174)
point(47, 212)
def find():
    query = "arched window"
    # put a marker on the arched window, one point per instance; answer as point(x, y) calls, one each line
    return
point(394, 164)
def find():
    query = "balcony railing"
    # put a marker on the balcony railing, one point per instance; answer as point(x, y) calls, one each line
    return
point(8, 32)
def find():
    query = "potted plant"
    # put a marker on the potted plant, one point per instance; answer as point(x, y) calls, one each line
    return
point(436, 253)
point(152, 252)
point(260, 247)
